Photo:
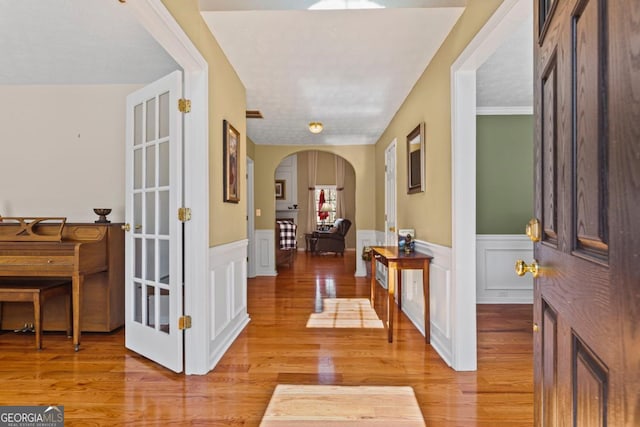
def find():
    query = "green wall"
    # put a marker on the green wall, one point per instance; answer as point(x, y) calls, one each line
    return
point(504, 174)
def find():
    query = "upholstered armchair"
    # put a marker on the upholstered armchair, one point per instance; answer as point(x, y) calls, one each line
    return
point(333, 239)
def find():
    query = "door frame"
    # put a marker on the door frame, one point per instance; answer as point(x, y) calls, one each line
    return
point(391, 147)
point(251, 227)
point(498, 28)
point(159, 22)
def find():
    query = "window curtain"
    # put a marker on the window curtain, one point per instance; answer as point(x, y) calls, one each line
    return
point(312, 166)
point(340, 205)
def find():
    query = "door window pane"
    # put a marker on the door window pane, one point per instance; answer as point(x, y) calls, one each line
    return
point(163, 166)
point(164, 115)
point(137, 169)
point(151, 120)
point(150, 217)
point(163, 213)
point(150, 272)
point(137, 124)
point(150, 180)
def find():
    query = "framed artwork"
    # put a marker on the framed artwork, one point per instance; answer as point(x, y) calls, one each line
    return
point(415, 160)
point(231, 152)
point(280, 189)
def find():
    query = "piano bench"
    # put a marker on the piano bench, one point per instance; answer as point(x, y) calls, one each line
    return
point(36, 291)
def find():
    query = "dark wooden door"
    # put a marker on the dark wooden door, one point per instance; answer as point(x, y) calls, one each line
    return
point(587, 296)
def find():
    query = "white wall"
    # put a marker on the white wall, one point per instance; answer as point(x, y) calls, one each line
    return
point(62, 150)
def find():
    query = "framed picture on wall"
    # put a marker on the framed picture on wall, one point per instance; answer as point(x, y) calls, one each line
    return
point(415, 160)
point(280, 189)
point(231, 152)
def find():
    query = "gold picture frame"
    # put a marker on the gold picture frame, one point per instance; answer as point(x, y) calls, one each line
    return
point(231, 154)
point(280, 189)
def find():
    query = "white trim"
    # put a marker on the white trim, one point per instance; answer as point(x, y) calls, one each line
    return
point(440, 301)
point(505, 111)
point(251, 222)
point(364, 238)
point(153, 15)
point(226, 296)
point(496, 281)
point(265, 253)
point(502, 23)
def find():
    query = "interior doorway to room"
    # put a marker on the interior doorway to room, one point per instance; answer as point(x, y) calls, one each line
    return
point(298, 184)
point(505, 21)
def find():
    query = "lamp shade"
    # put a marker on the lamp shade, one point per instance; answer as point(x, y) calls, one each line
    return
point(326, 207)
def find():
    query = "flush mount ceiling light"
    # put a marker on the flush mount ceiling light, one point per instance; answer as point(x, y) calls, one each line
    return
point(315, 127)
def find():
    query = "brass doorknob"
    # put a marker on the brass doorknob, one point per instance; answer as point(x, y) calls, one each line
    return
point(126, 227)
point(522, 268)
point(533, 230)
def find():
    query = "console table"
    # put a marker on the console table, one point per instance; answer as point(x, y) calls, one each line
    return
point(396, 261)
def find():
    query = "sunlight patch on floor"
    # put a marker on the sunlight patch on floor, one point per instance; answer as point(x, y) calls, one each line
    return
point(322, 405)
point(345, 313)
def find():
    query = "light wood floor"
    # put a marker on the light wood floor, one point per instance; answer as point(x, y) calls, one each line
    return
point(104, 384)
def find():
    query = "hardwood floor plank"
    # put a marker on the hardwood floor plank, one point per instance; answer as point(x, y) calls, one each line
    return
point(105, 384)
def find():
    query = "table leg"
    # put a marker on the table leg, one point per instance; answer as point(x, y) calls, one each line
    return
point(425, 289)
point(76, 284)
point(399, 290)
point(373, 282)
point(391, 303)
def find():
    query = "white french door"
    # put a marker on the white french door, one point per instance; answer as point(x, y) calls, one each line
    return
point(153, 267)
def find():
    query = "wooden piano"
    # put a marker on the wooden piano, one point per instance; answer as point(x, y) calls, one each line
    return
point(91, 255)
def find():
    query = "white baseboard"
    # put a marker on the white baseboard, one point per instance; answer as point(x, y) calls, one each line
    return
point(497, 282)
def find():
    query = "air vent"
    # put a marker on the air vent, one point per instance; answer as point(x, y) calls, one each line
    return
point(254, 114)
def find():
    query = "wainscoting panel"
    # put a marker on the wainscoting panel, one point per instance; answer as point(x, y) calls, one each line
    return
point(228, 297)
point(440, 302)
point(364, 238)
point(265, 252)
point(497, 282)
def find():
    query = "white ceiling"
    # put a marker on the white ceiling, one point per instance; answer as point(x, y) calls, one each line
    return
point(76, 42)
point(350, 69)
point(505, 80)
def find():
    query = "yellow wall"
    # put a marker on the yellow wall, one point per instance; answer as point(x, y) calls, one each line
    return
point(251, 149)
point(361, 157)
point(429, 213)
point(227, 100)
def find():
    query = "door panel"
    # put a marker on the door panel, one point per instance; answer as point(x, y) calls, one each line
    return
point(587, 138)
point(154, 242)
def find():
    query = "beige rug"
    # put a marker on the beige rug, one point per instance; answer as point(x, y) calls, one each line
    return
point(329, 405)
point(345, 313)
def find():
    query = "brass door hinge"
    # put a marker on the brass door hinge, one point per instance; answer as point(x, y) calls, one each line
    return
point(184, 105)
point(184, 214)
point(184, 322)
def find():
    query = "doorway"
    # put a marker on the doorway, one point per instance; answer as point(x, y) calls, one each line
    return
point(504, 21)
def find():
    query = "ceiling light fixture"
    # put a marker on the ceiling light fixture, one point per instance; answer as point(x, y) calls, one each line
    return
point(315, 127)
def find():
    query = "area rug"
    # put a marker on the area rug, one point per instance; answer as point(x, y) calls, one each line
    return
point(345, 313)
point(329, 405)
